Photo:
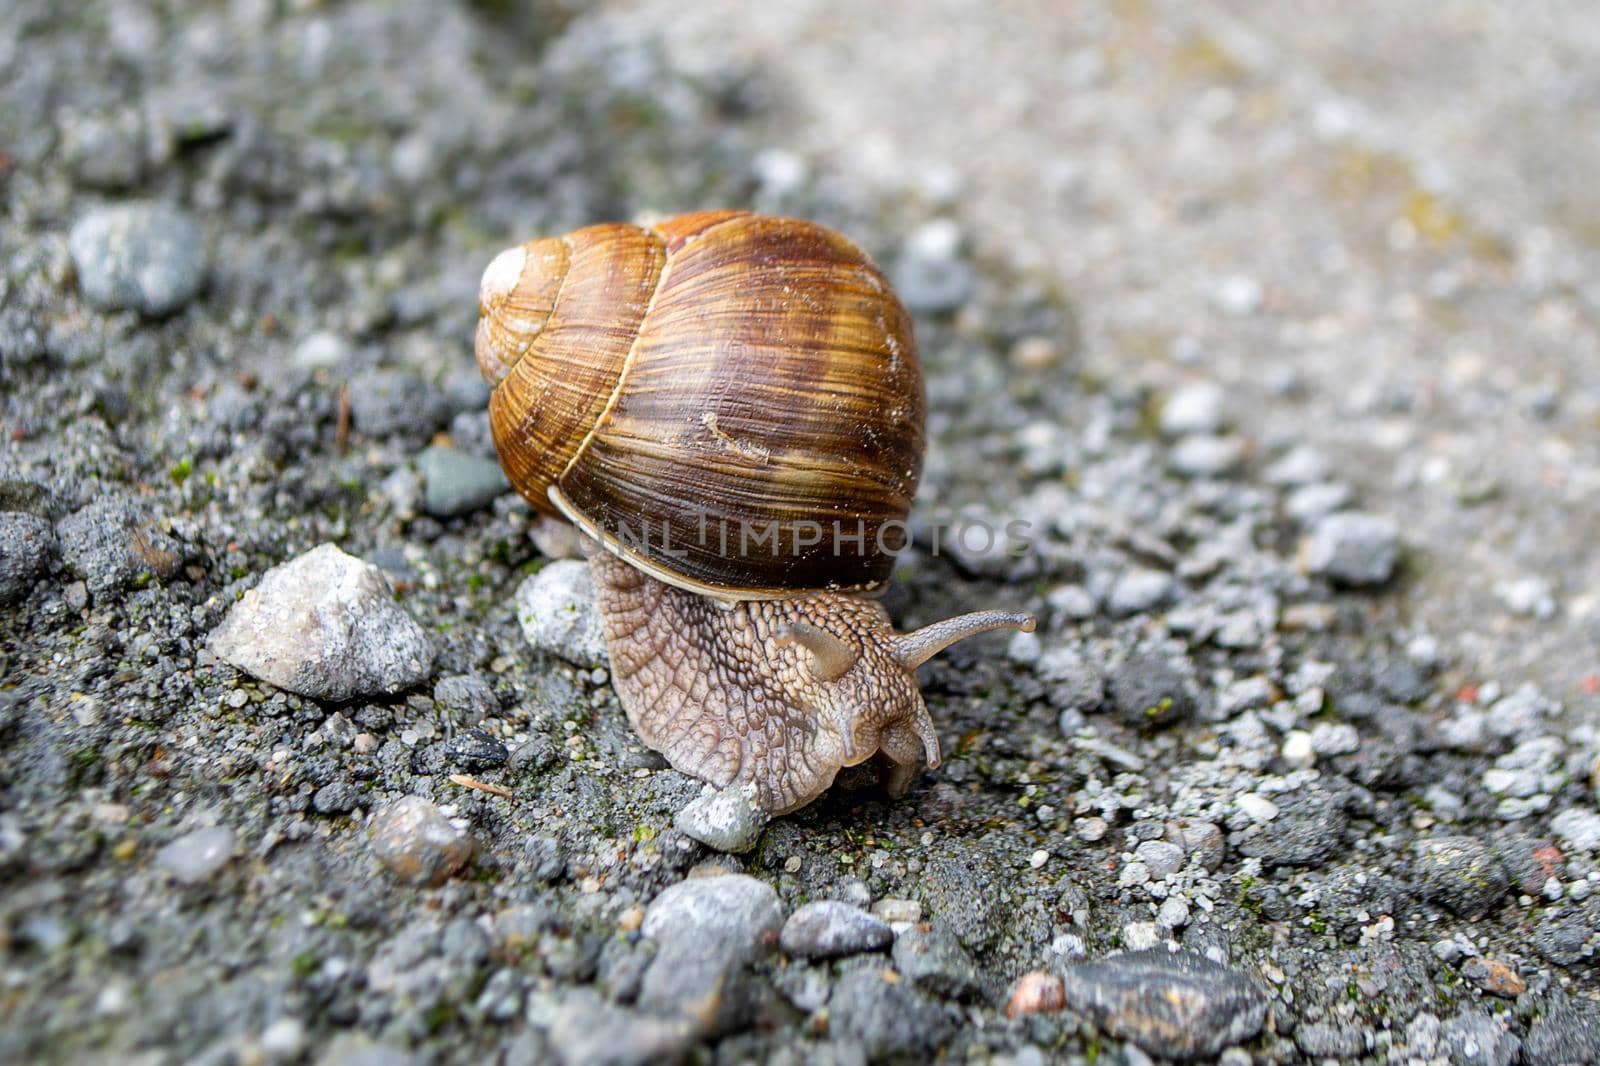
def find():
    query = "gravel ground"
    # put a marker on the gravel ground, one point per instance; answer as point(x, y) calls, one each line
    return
point(1278, 334)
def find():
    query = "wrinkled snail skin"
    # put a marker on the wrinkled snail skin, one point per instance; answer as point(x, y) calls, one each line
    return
point(730, 373)
point(778, 693)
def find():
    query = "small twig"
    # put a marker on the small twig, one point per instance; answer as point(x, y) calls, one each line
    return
point(471, 782)
point(342, 434)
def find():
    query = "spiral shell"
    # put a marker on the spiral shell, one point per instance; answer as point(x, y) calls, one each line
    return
point(733, 402)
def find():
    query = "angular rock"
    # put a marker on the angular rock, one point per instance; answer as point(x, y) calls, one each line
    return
point(27, 546)
point(113, 544)
point(557, 610)
point(890, 1019)
point(933, 959)
point(1473, 1036)
point(1351, 548)
point(729, 820)
point(473, 750)
point(1461, 874)
point(1149, 690)
point(587, 1031)
point(1176, 1005)
point(829, 929)
point(707, 930)
point(194, 857)
point(454, 482)
point(415, 841)
point(325, 625)
point(146, 257)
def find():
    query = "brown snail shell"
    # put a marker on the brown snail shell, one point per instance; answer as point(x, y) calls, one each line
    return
point(716, 376)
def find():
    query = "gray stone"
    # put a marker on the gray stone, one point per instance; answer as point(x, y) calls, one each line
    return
point(1150, 690)
point(1566, 1032)
point(1580, 828)
point(388, 402)
point(473, 750)
point(1196, 408)
point(337, 797)
point(587, 1031)
point(105, 152)
point(1307, 829)
point(558, 613)
point(1176, 1005)
point(195, 857)
point(1300, 466)
point(1200, 455)
point(1334, 738)
point(889, 1018)
point(469, 696)
point(707, 930)
point(729, 820)
point(1309, 504)
point(1531, 597)
point(27, 547)
point(1331, 1040)
point(1139, 590)
point(1163, 859)
point(145, 257)
point(1351, 548)
point(414, 841)
point(1474, 1037)
point(325, 625)
point(358, 1049)
point(113, 544)
point(454, 482)
point(929, 275)
point(933, 959)
point(1461, 874)
point(827, 929)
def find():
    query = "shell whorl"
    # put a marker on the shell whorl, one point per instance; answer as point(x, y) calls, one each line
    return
point(719, 377)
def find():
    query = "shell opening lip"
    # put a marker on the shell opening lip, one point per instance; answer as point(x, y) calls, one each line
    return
point(724, 596)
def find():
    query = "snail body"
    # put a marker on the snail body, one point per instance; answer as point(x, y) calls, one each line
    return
point(730, 406)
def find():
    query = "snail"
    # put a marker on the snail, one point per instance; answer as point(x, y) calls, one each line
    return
point(729, 407)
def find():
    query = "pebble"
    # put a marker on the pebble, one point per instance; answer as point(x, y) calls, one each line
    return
point(587, 1031)
point(1149, 690)
point(455, 483)
point(1331, 1040)
point(105, 152)
point(1475, 1037)
point(1036, 993)
point(470, 697)
point(325, 625)
point(27, 546)
point(1335, 738)
point(729, 820)
point(1162, 857)
point(557, 611)
point(114, 544)
point(930, 276)
point(322, 350)
point(1204, 842)
point(413, 839)
point(1257, 807)
point(284, 1040)
point(1176, 1005)
point(1494, 977)
point(1139, 590)
point(1196, 408)
point(1140, 936)
point(1352, 548)
point(1309, 504)
point(386, 403)
point(194, 857)
point(1461, 874)
point(1206, 456)
point(1302, 465)
point(1531, 597)
point(706, 930)
point(1297, 749)
point(887, 1017)
point(145, 257)
point(1578, 827)
point(1566, 1032)
point(473, 750)
point(827, 929)
point(1173, 913)
point(336, 797)
point(898, 911)
point(1072, 601)
point(932, 958)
